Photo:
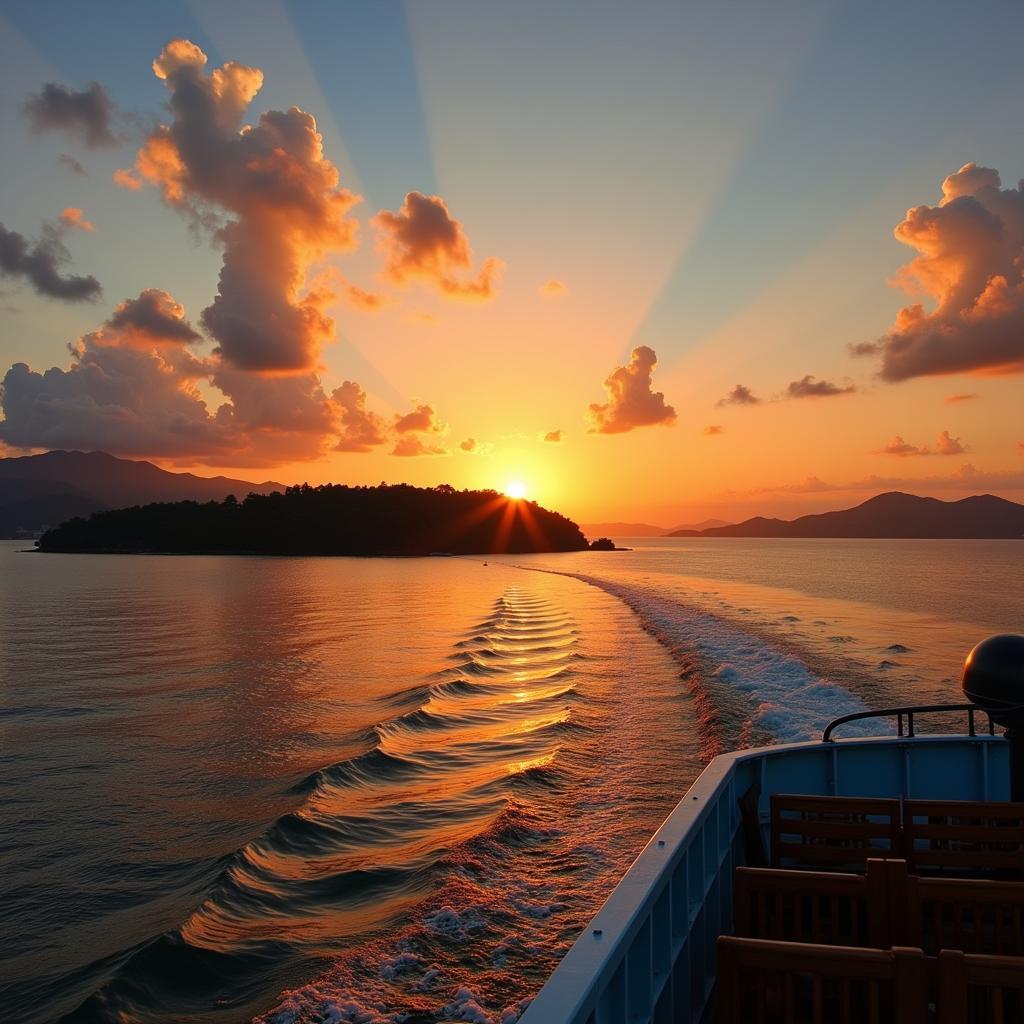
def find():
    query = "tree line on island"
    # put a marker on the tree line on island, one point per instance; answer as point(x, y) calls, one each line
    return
point(332, 519)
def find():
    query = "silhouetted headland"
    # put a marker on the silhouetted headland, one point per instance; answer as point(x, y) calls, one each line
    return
point(892, 515)
point(328, 520)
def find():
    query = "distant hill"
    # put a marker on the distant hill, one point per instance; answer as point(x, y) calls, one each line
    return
point(39, 491)
point(329, 520)
point(893, 514)
point(691, 529)
point(622, 530)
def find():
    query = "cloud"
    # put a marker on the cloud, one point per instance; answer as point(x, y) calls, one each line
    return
point(552, 288)
point(152, 317)
point(86, 115)
point(971, 263)
point(740, 395)
point(411, 446)
point(72, 165)
point(421, 420)
point(361, 430)
point(951, 399)
point(423, 241)
point(275, 200)
point(118, 396)
point(124, 178)
point(631, 400)
point(944, 445)
point(553, 436)
point(369, 302)
point(40, 262)
point(469, 445)
point(714, 429)
point(73, 217)
point(808, 387)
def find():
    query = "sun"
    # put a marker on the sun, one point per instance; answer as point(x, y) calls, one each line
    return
point(515, 489)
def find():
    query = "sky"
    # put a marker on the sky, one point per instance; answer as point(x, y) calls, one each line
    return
point(655, 262)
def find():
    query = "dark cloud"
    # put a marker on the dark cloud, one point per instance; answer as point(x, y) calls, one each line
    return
point(72, 165)
point(155, 316)
point(740, 395)
point(87, 115)
point(40, 263)
point(281, 197)
point(971, 263)
point(360, 429)
point(632, 402)
point(422, 240)
point(808, 387)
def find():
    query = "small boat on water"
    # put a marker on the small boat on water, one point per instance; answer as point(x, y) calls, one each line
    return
point(871, 878)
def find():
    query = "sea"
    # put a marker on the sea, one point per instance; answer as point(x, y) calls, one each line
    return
point(322, 790)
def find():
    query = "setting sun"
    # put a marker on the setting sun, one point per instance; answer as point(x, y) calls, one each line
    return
point(515, 489)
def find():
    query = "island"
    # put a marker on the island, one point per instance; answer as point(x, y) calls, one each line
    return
point(332, 519)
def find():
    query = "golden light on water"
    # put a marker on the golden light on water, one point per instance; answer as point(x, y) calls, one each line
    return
point(515, 489)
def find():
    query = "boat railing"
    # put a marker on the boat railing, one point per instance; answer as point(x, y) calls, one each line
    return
point(905, 718)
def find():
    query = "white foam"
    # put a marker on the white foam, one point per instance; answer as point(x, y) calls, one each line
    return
point(466, 1006)
point(793, 703)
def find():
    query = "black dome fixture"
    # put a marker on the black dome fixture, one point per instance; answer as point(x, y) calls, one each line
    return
point(994, 680)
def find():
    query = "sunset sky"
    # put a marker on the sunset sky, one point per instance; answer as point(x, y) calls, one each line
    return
point(658, 262)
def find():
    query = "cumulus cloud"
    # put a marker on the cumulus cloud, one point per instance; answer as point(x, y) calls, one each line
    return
point(154, 316)
point(281, 198)
point(72, 165)
point(361, 430)
point(970, 262)
point(553, 436)
point(952, 399)
point(808, 387)
point(124, 178)
point(423, 241)
point(714, 429)
point(469, 445)
point(87, 115)
point(632, 402)
point(117, 395)
point(421, 420)
point(553, 288)
point(74, 217)
point(412, 445)
point(944, 445)
point(740, 395)
point(40, 264)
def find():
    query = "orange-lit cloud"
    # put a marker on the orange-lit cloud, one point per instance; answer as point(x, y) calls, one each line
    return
point(552, 288)
point(125, 178)
point(553, 436)
point(40, 264)
point(632, 402)
point(714, 429)
point(471, 446)
point(952, 399)
point(740, 395)
point(360, 298)
point(86, 114)
point(73, 217)
point(360, 429)
point(971, 263)
point(283, 201)
point(808, 387)
point(944, 445)
point(422, 420)
point(412, 445)
point(423, 241)
point(153, 317)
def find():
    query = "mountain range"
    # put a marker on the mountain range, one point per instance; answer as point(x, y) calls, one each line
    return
point(645, 529)
point(893, 514)
point(39, 491)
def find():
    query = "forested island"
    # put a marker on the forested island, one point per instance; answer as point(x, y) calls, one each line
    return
point(331, 519)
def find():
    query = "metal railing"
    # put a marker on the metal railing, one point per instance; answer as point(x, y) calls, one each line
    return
point(908, 713)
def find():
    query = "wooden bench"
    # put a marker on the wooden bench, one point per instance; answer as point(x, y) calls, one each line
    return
point(761, 981)
point(963, 835)
point(828, 831)
point(979, 989)
point(884, 907)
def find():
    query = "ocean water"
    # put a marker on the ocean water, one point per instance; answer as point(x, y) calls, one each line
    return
point(324, 790)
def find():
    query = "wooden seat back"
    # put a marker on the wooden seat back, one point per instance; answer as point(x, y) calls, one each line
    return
point(837, 832)
point(770, 982)
point(811, 906)
point(972, 915)
point(963, 835)
point(979, 989)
